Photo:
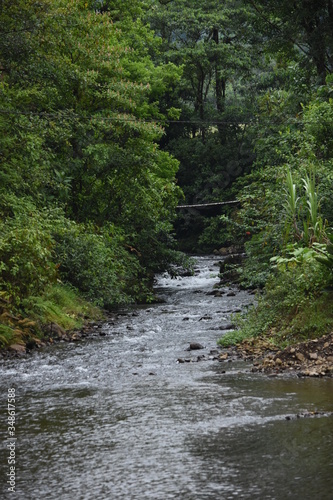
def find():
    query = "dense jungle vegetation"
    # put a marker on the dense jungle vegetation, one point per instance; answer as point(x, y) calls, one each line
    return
point(111, 112)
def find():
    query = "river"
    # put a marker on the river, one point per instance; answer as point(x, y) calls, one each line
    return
point(117, 417)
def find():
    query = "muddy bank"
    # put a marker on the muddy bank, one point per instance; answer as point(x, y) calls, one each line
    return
point(313, 358)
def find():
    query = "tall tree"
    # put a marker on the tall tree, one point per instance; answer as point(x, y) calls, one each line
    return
point(80, 121)
point(211, 41)
point(301, 26)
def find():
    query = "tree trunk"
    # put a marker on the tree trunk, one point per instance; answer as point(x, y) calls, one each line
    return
point(220, 83)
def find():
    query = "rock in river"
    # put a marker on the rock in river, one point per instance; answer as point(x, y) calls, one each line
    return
point(194, 346)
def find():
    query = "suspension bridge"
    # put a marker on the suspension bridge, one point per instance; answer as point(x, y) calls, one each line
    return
point(207, 208)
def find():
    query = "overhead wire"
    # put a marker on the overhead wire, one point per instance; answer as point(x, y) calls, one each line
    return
point(69, 115)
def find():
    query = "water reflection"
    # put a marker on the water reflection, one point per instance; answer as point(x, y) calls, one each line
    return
point(277, 460)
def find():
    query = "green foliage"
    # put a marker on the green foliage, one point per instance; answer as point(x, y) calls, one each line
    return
point(294, 255)
point(26, 251)
point(293, 306)
point(289, 162)
point(59, 304)
point(98, 265)
point(319, 124)
point(232, 338)
point(290, 194)
point(208, 40)
point(88, 196)
point(7, 336)
point(315, 225)
point(291, 204)
point(215, 233)
point(302, 31)
point(256, 268)
point(325, 255)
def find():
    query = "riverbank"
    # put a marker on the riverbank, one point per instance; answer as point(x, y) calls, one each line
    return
point(53, 334)
point(59, 315)
point(272, 333)
point(312, 358)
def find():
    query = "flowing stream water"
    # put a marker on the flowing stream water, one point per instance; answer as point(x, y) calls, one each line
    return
point(117, 417)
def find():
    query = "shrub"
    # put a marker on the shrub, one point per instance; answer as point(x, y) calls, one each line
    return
point(97, 264)
point(294, 304)
point(59, 304)
point(26, 252)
